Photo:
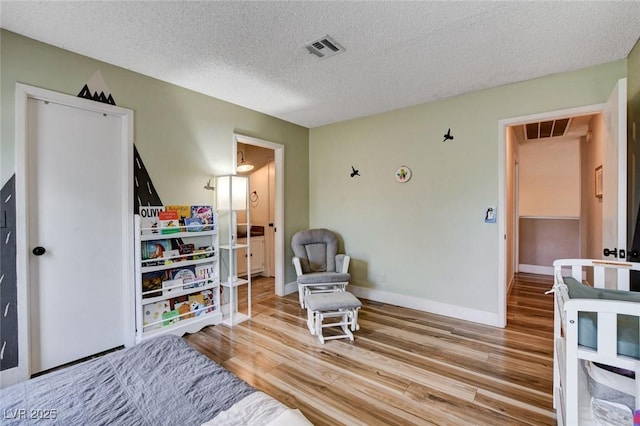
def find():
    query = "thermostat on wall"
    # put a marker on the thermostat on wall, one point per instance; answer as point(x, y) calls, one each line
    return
point(490, 215)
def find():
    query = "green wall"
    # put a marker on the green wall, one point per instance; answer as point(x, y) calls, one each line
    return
point(425, 241)
point(183, 137)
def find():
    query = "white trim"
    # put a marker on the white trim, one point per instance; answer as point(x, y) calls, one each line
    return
point(279, 203)
point(502, 128)
point(291, 288)
point(22, 94)
point(425, 305)
point(546, 270)
point(551, 217)
point(535, 269)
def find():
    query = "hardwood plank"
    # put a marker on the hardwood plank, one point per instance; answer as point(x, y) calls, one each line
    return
point(520, 411)
point(454, 410)
point(404, 367)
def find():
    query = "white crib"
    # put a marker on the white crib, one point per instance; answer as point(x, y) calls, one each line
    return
point(573, 403)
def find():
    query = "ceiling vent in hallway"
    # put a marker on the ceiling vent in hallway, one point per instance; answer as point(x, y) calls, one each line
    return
point(324, 47)
point(547, 129)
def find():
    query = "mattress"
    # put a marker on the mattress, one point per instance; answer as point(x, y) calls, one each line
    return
point(161, 381)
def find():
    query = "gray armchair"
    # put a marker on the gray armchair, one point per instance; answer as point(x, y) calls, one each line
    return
point(319, 267)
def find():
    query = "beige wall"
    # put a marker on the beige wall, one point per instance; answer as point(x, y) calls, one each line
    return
point(593, 148)
point(544, 240)
point(425, 242)
point(183, 137)
point(550, 178)
point(260, 205)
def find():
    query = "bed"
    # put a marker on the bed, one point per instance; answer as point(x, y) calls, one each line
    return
point(161, 381)
point(597, 343)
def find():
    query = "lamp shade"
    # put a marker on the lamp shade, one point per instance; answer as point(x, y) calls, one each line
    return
point(231, 192)
point(244, 167)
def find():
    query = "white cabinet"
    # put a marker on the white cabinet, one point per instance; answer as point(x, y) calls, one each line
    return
point(257, 256)
point(177, 280)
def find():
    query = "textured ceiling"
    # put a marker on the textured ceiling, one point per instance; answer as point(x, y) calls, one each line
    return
point(397, 54)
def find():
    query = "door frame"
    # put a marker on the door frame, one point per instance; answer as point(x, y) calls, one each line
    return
point(279, 200)
point(23, 93)
point(502, 190)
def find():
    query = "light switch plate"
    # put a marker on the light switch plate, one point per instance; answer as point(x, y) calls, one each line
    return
point(490, 215)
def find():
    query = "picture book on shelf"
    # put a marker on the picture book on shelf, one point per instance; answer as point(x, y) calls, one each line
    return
point(184, 212)
point(154, 249)
point(207, 296)
point(169, 222)
point(149, 221)
point(193, 224)
point(171, 317)
point(171, 253)
point(186, 274)
point(187, 248)
point(204, 213)
point(197, 304)
point(152, 281)
point(182, 305)
point(152, 313)
point(205, 272)
point(169, 286)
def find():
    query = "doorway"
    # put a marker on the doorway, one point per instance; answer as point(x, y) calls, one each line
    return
point(266, 182)
point(555, 212)
point(510, 230)
point(73, 202)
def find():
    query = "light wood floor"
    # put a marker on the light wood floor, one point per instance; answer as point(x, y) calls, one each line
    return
point(404, 367)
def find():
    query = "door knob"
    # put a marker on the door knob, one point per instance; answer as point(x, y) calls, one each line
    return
point(607, 252)
point(39, 251)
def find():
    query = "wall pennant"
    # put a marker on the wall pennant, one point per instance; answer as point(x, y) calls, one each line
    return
point(95, 90)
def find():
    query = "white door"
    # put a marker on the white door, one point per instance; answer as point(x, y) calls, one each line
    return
point(614, 179)
point(78, 214)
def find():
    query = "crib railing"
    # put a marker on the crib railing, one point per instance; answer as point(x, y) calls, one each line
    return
point(567, 351)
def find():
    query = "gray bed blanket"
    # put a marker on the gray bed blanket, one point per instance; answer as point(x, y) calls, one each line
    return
point(160, 382)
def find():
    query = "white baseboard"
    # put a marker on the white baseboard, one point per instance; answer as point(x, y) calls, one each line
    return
point(425, 305)
point(535, 269)
point(412, 302)
point(290, 288)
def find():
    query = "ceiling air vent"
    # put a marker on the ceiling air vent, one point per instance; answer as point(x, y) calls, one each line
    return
point(324, 47)
point(547, 129)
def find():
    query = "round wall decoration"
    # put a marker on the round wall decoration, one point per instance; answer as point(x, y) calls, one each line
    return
point(403, 174)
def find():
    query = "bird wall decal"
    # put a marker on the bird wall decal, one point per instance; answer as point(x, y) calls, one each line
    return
point(208, 186)
point(354, 172)
point(447, 136)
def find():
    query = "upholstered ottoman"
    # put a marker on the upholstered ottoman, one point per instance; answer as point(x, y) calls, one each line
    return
point(341, 305)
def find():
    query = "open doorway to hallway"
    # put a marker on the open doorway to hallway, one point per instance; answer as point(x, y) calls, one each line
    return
point(608, 184)
point(546, 182)
point(263, 165)
point(556, 208)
